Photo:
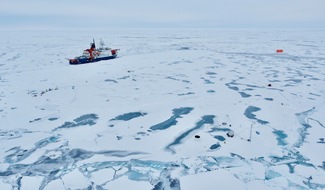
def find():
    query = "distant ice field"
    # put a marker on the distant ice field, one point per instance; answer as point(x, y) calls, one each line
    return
point(162, 114)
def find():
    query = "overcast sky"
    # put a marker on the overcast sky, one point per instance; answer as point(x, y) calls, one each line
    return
point(161, 14)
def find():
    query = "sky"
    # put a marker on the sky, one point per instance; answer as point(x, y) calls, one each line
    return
point(162, 14)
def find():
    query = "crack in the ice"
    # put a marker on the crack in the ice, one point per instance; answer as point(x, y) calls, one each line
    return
point(19, 154)
point(312, 185)
point(166, 182)
point(292, 159)
point(13, 134)
point(155, 172)
point(317, 122)
point(54, 168)
point(303, 131)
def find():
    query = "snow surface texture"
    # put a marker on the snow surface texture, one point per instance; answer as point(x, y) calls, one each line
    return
point(157, 117)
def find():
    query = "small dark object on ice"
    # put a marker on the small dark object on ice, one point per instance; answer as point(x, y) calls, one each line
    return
point(269, 85)
point(230, 134)
point(197, 136)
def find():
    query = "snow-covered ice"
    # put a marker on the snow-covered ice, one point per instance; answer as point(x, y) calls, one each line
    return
point(157, 116)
